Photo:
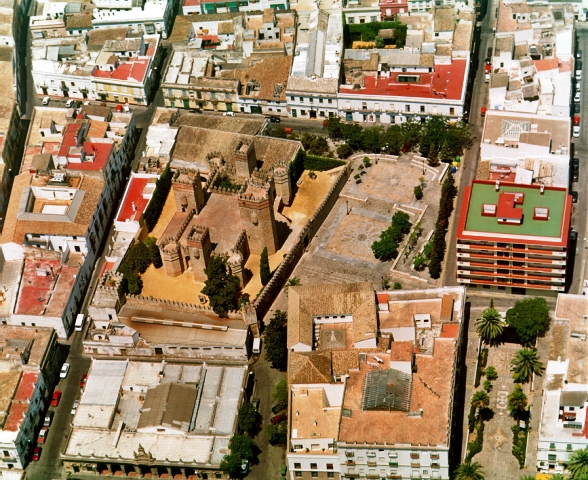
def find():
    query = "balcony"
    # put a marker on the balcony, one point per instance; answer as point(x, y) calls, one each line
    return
point(393, 464)
point(435, 465)
point(372, 463)
point(372, 475)
point(394, 475)
point(414, 455)
point(9, 459)
point(350, 463)
point(415, 465)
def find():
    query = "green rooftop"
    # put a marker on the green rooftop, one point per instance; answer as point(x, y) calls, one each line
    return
point(484, 193)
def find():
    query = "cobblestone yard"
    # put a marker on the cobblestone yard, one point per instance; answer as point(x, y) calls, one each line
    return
point(341, 251)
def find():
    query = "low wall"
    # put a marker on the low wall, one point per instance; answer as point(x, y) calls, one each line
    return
point(285, 269)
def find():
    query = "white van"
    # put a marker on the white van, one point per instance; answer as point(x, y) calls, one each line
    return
point(80, 322)
point(256, 345)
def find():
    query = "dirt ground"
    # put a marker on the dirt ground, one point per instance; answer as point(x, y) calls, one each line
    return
point(166, 214)
point(182, 288)
point(254, 285)
point(309, 196)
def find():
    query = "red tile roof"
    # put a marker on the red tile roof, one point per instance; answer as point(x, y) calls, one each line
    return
point(134, 203)
point(26, 387)
point(15, 417)
point(449, 330)
point(446, 82)
point(134, 70)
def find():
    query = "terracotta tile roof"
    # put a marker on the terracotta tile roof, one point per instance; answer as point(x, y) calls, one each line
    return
point(272, 75)
point(305, 302)
point(344, 360)
point(402, 351)
point(309, 367)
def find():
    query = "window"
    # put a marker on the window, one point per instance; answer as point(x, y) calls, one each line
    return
point(552, 458)
point(451, 111)
point(320, 100)
point(408, 78)
point(297, 474)
point(552, 446)
point(422, 109)
point(313, 466)
point(298, 447)
point(329, 466)
point(302, 112)
point(350, 20)
point(407, 108)
point(297, 465)
point(373, 19)
point(292, 98)
point(302, 99)
point(330, 474)
point(569, 447)
point(330, 100)
point(314, 474)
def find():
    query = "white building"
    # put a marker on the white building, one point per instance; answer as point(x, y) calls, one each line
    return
point(565, 396)
point(344, 420)
point(314, 78)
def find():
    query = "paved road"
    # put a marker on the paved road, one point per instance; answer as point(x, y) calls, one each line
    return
point(468, 168)
point(580, 212)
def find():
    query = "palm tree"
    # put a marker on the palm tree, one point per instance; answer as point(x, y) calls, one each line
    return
point(480, 400)
point(526, 363)
point(469, 471)
point(517, 402)
point(292, 282)
point(578, 464)
point(490, 325)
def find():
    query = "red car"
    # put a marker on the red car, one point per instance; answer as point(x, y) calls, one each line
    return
point(576, 120)
point(56, 398)
point(42, 438)
point(83, 380)
point(278, 419)
point(36, 454)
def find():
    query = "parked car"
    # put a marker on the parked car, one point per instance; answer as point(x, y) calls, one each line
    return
point(56, 398)
point(274, 119)
point(255, 403)
point(36, 454)
point(83, 380)
point(75, 407)
point(46, 101)
point(278, 418)
point(574, 197)
point(43, 435)
point(579, 54)
point(576, 132)
point(228, 114)
point(48, 418)
point(578, 86)
point(576, 108)
point(577, 97)
point(244, 466)
point(577, 120)
point(573, 235)
point(64, 370)
point(69, 103)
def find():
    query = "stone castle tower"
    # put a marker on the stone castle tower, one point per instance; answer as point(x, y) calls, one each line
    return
point(282, 183)
point(245, 160)
point(188, 192)
point(199, 248)
point(256, 202)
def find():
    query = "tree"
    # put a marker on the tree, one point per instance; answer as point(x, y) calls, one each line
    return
point(276, 340)
point(445, 153)
point(491, 373)
point(154, 254)
point(480, 400)
point(418, 192)
point(526, 363)
point(344, 151)
point(517, 402)
point(248, 418)
point(278, 132)
point(578, 463)
point(490, 325)
point(223, 289)
point(469, 471)
point(379, 41)
point(334, 127)
point(244, 446)
point(530, 319)
point(292, 282)
point(280, 394)
point(232, 465)
point(155, 206)
point(433, 156)
point(264, 268)
point(277, 434)
point(397, 286)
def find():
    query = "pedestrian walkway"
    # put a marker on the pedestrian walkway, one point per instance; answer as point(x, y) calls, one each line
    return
point(496, 456)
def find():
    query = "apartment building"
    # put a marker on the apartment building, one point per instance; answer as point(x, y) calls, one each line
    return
point(140, 419)
point(208, 7)
point(514, 237)
point(314, 79)
point(532, 63)
point(28, 367)
point(357, 409)
point(428, 76)
point(525, 148)
point(232, 62)
point(73, 173)
point(110, 64)
point(565, 398)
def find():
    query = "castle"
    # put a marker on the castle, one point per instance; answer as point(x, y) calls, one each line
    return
point(227, 221)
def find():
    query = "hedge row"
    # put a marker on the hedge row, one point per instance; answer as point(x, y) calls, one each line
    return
point(321, 164)
point(162, 187)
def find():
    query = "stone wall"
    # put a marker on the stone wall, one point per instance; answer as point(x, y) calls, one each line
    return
point(285, 269)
